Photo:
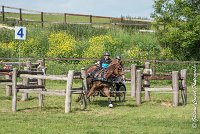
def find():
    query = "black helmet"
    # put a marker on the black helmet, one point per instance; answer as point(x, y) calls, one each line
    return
point(106, 54)
point(118, 57)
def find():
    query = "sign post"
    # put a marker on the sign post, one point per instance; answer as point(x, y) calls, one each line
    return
point(20, 34)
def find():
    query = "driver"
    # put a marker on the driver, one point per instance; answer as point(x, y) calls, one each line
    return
point(103, 63)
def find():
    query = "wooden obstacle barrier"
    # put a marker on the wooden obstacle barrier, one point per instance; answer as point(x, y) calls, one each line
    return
point(40, 88)
point(178, 84)
point(134, 67)
point(7, 73)
point(7, 80)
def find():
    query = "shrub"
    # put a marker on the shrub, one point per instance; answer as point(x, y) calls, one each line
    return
point(61, 45)
point(97, 46)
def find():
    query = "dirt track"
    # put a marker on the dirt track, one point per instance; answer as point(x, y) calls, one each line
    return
point(7, 27)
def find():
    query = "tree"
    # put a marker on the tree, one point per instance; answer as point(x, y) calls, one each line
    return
point(178, 24)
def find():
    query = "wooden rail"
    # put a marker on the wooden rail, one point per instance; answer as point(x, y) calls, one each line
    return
point(178, 84)
point(7, 73)
point(40, 88)
point(112, 20)
point(45, 77)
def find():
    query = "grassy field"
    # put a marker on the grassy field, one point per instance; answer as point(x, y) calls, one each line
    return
point(154, 117)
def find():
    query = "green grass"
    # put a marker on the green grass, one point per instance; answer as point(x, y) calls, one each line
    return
point(154, 117)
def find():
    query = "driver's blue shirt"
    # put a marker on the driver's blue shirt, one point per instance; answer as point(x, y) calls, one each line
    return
point(104, 65)
point(105, 62)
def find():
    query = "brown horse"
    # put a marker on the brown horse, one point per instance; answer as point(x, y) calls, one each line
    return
point(97, 83)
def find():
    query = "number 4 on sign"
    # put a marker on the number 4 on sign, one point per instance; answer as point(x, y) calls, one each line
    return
point(20, 33)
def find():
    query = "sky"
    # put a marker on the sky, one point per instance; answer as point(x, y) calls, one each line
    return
point(113, 8)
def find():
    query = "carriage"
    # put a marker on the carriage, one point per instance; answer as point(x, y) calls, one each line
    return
point(117, 90)
point(105, 82)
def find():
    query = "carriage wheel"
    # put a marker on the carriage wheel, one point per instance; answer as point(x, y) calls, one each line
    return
point(122, 94)
point(83, 101)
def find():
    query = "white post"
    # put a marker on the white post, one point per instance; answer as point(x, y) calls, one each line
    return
point(25, 81)
point(68, 91)
point(14, 90)
point(175, 86)
point(138, 87)
point(133, 80)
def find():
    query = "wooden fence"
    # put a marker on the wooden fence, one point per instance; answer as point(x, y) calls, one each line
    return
point(140, 81)
point(91, 18)
point(178, 84)
point(7, 73)
point(40, 88)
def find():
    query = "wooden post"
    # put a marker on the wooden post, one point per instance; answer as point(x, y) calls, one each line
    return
point(40, 82)
point(68, 91)
point(147, 95)
point(41, 96)
point(41, 63)
point(91, 19)
point(43, 60)
point(41, 67)
point(14, 90)
point(85, 88)
point(175, 87)
point(133, 80)
point(154, 68)
point(20, 16)
point(138, 87)
point(84, 80)
point(184, 84)
point(65, 18)
point(42, 20)
point(3, 13)
point(28, 65)
point(8, 88)
point(147, 82)
point(25, 81)
point(122, 19)
point(147, 71)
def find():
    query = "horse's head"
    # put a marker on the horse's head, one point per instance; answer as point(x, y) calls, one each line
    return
point(115, 68)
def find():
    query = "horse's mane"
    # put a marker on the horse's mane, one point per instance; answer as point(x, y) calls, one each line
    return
point(112, 64)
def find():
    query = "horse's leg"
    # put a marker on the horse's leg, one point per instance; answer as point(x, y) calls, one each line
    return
point(91, 91)
point(107, 93)
point(79, 97)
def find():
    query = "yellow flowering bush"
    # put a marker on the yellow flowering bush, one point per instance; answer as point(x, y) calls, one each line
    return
point(61, 45)
point(28, 48)
point(166, 53)
point(102, 39)
point(8, 49)
point(97, 46)
point(137, 53)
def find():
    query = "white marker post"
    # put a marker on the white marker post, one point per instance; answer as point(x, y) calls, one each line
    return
point(20, 34)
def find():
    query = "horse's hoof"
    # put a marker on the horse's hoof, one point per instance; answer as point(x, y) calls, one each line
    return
point(110, 105)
